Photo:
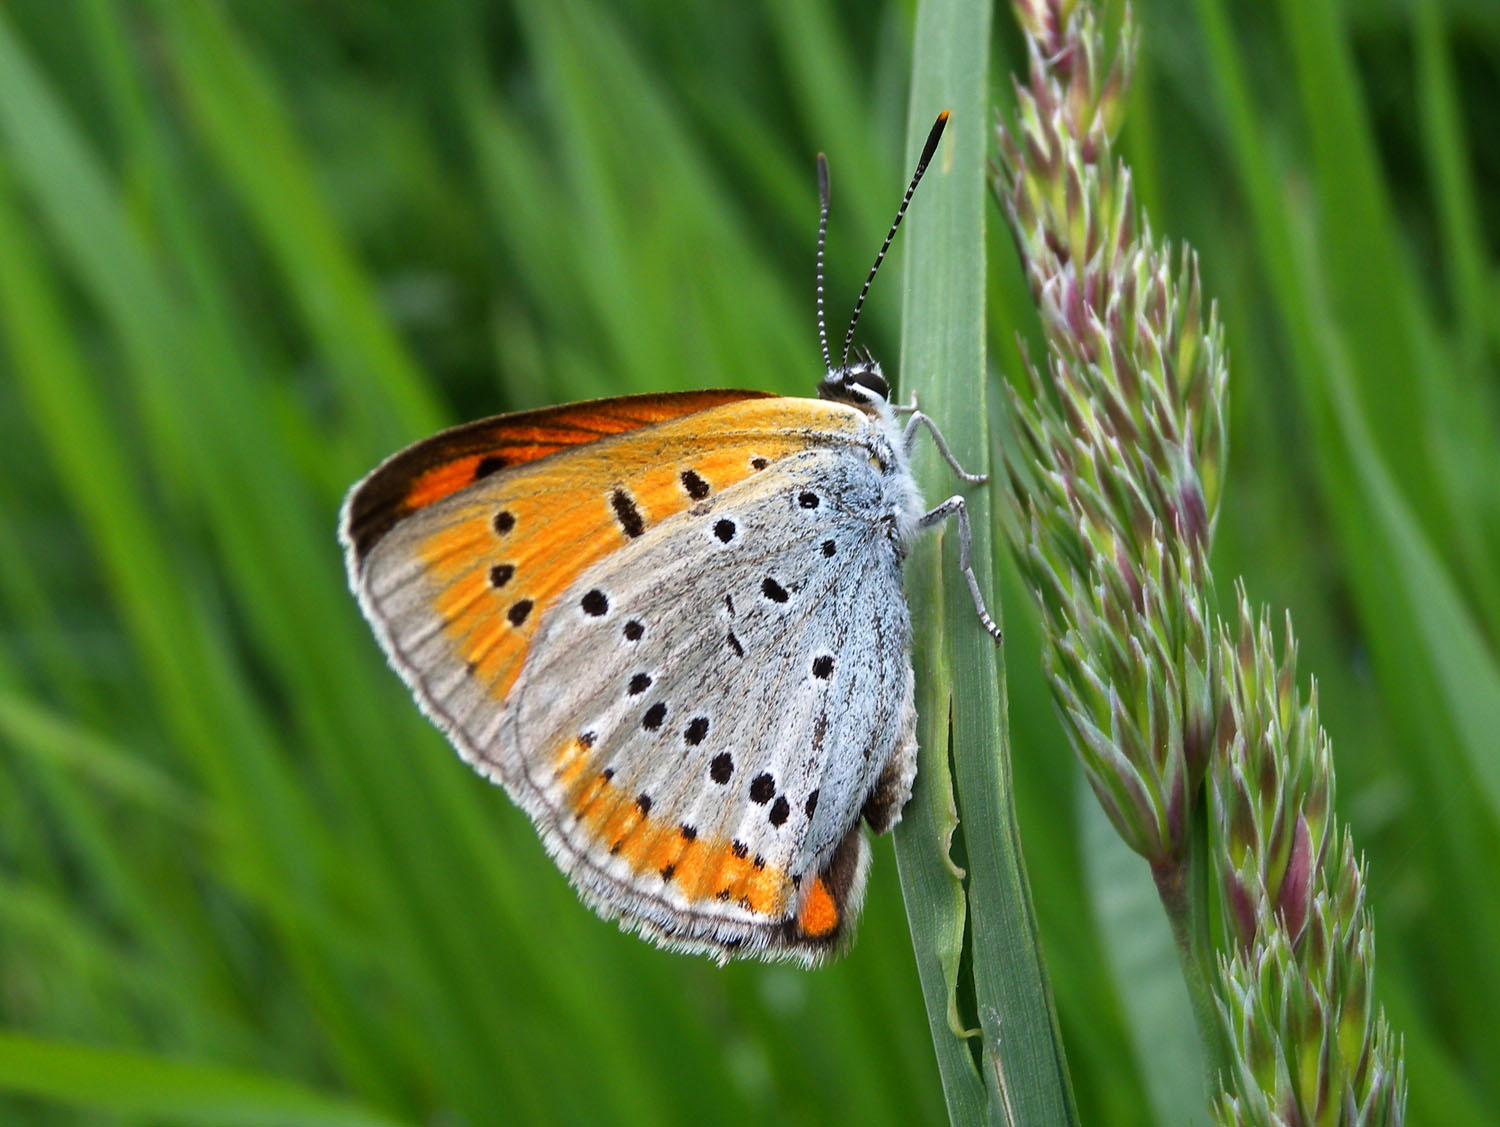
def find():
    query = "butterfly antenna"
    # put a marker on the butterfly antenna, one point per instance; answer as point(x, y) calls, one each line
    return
point(822, 237)
point(927, 150)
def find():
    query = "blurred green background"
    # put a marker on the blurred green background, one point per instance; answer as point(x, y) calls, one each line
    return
point(247, 249)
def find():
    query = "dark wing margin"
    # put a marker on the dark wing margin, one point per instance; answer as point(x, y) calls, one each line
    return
point(454, 459)
point(828, 907)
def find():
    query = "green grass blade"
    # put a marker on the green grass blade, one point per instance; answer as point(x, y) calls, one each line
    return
point(67, 745)
point(128, 1083)
point(241, 123)
point(961, 702)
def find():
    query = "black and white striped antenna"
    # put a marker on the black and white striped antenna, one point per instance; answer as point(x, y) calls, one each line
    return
point(822, 237)
point(926, 158)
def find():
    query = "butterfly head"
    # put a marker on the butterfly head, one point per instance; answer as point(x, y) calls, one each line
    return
point(859, 382)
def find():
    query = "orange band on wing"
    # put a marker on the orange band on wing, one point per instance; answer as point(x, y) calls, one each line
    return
point(717, 869)
point(442, 465)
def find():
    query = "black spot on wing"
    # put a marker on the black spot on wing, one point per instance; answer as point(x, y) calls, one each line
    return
point(492, 463)
point(773, 590)
point(695, 486)
point(779, 811)
point(632, 524)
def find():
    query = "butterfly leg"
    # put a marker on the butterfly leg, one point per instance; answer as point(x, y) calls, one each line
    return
point(905, 408)
point(954, 506)
point(909, 437)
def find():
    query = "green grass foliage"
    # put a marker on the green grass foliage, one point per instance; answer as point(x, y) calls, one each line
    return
point(248, 249)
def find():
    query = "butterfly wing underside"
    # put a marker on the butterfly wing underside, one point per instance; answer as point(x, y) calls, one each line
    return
point(683, 649)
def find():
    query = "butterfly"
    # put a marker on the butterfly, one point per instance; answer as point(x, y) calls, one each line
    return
point(672, 627)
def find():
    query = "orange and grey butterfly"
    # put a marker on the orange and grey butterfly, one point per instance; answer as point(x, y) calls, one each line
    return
point(606, 630)
point(672, 627)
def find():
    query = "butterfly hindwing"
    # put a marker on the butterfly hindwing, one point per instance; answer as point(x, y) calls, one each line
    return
point(703, 748)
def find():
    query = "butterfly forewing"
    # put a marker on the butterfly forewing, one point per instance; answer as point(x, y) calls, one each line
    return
point(459, 583)
point(441, 466)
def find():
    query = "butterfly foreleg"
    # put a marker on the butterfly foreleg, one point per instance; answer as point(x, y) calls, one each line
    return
point(909, 439)
point(954, 506)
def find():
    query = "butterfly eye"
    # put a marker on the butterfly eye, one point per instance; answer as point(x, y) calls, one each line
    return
point(870, 378)
point(860, 383)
